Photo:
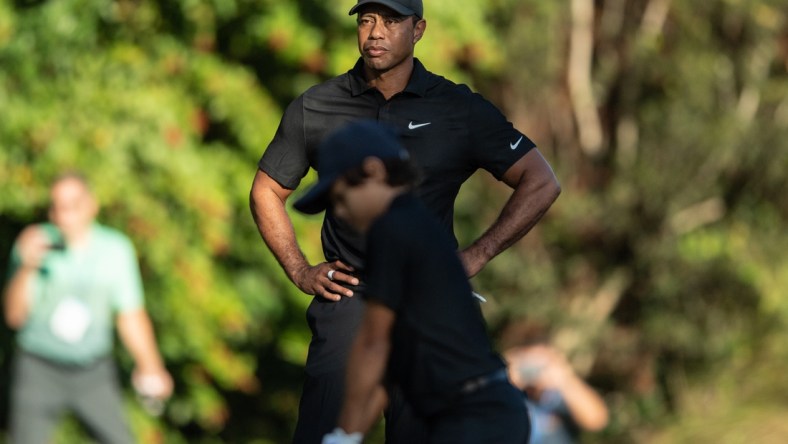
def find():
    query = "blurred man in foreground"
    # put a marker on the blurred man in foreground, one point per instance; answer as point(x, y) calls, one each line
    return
point(70, 280)
point(421, 330)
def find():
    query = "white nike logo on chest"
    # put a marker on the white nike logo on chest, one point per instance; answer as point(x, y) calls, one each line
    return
point(413, 126)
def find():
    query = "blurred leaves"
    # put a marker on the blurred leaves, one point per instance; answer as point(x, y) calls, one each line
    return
point(660, 267)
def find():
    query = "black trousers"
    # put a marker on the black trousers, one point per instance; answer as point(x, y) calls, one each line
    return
point(402, 424)
point(318, 411)
point(320, 406)
point(494, 414)
point(334, 326)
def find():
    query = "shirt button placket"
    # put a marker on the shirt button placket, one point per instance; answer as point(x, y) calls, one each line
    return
point(384, 113)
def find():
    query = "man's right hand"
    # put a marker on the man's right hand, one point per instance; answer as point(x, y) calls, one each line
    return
point(267, 202)
point(315, 280)
point(33, 244)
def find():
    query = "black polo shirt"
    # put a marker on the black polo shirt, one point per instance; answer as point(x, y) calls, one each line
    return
point(449, 130)
point(439, 339)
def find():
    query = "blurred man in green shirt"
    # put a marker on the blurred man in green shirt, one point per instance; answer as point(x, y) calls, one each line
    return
point(71, 280)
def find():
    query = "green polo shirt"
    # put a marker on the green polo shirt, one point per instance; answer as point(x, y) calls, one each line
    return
point(76, 295)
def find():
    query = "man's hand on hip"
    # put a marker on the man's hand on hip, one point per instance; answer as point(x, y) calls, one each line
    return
point(326, 279)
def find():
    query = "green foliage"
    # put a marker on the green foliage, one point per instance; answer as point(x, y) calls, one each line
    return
point(169, 136)
point(662, 263)
point(663, 254)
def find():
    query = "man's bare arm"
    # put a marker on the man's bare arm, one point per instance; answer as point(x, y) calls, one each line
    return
point(32, 246)
point(267, 202)
point(365, 397)
point(535, 189)
point(136, 332)
point(15, 299)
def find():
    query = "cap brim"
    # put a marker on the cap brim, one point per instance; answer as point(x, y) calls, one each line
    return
point(395, 6)
point(316, 199)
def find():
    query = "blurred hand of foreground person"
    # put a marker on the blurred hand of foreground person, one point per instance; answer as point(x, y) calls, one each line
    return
point(149, 378)
point(32, 246)
point(540, 370)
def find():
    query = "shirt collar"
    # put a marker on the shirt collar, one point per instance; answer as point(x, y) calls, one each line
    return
point(417, 84)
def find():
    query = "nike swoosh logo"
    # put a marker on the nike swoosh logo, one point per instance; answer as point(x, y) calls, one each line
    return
point(413, 126)
point(515, 145)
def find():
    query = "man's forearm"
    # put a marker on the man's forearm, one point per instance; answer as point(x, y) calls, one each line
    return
point(528, 203)
point(364, 394)
point(150, 377)
point(586, 406)
point(136, 332)
point(267, 202)
point(276, 229)
point(16, 304)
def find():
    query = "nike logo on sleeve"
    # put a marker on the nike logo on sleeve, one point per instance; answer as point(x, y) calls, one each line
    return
point(516, 144)
point(413, 126)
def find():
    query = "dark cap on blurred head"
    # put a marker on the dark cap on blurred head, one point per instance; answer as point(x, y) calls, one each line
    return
point(404, 7)
point(344, 150)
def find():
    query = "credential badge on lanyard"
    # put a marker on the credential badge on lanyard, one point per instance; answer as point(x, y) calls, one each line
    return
point(70, 320)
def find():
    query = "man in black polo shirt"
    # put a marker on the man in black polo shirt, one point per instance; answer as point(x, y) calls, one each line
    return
point(449, 131)
point(422, 330)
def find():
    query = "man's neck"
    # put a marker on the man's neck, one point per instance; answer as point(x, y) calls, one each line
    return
point(392, 81)
point(78, 239)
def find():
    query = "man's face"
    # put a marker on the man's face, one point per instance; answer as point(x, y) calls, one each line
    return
point(385, 38)
point(73, 207)
point(361, 204)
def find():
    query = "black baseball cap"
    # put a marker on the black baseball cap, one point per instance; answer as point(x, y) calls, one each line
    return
point(344, 150)
point(404, 7)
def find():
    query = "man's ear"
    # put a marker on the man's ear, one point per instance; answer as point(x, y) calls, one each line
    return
point(418, 30)
point(374, 168)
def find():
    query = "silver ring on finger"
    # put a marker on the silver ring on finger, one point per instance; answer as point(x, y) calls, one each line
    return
point(330, 275)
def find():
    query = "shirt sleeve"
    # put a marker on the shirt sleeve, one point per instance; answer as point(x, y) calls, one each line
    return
point(128, 291)
point(285, 159)
point(386, 265)
point(497, 144)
